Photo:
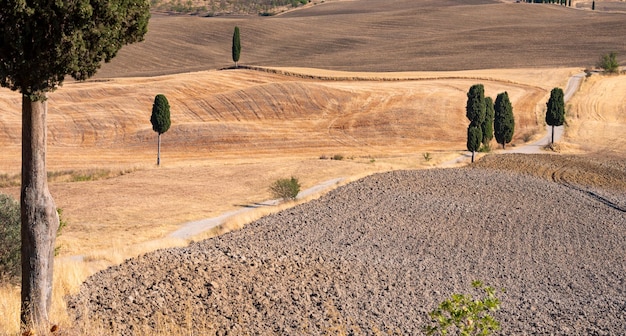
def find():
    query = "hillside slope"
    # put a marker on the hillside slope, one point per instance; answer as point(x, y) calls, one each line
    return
point(245, 111)
point(378, 254)
point(381, 35)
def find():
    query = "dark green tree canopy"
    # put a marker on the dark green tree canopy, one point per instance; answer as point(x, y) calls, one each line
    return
point(504, 122)
point(236, 45)
point(474, 138)
point(475, 107)
point(555, 113)
point(487, 125)
point(160, 118)
point(43, 41)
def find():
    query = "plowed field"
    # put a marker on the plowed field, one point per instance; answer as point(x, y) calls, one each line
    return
point(378, 254)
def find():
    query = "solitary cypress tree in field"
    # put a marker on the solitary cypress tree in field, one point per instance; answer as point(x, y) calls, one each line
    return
point(487, 125)
point(555, 113)
point(40, 43)
point(160, 120)
point(236, 46)
point(474, 137)
point(504, 122)
point(475, 107)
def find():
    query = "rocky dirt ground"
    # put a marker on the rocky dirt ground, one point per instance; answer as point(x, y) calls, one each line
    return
point(377, 254)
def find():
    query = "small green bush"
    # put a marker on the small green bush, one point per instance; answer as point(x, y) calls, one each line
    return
point(427, 157)
point(608, 62)
point(337, 157)
point(286, 189)
point(465, 315)
point(485, 148)
point(10, 238)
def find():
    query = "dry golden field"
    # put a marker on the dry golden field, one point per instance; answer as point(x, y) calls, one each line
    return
point(378, 82)
point(234, 132)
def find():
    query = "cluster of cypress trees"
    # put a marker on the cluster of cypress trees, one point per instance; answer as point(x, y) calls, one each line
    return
point(488, 119)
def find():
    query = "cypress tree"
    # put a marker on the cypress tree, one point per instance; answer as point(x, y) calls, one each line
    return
point(160, 120)
point(475, 111)
point(555, 112)
point(475, 106)
point(41, 42)
point(487, 125)
point(474, 136)
point(236, 46)
point(504, 122)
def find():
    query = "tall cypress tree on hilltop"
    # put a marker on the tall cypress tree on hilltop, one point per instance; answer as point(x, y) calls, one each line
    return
point(236, 48)
point(504, 122)
point(160, 120)
point(41, 42)
point(555, 112)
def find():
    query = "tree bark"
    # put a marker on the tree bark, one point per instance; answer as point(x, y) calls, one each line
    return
point(473, 156)
point(159, 149)
point(552, 134)
point(40, 220)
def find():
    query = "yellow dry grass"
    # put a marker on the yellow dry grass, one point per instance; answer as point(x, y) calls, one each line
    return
point(377, 121)
point(234, 132)
point(596, 116)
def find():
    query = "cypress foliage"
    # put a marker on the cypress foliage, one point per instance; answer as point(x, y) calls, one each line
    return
point(504, 122)
point(41, 42)
point(236, 46)
point(487, 125)
point(475, 111)
point(160, 120)
point(475, 107)
point(555, 112)
point(474, 137)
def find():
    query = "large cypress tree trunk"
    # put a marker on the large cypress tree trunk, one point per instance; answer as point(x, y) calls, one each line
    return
point(552, 134)
point(40, 220)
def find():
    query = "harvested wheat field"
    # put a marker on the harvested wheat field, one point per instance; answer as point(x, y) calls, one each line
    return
point(381, 85)
point(234, 132)
point(377, 254)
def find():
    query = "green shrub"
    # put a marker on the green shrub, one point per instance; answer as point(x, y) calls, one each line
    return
point(286, 189)
point(338, 157)
point(427, 157)
point(10, 238)
point(465, 315)
point(608, 62)
point(485, 148)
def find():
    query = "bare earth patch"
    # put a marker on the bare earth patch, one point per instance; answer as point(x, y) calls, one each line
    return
point(377, 254)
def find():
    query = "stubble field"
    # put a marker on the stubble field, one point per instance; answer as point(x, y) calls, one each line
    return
point(235, 131)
